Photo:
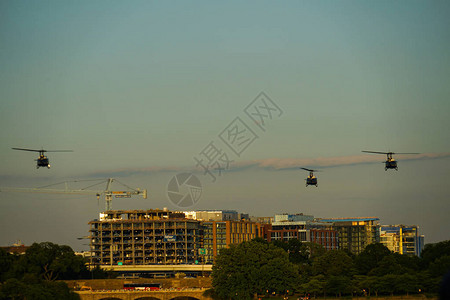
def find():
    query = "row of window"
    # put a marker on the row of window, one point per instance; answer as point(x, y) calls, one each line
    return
point(136, 225)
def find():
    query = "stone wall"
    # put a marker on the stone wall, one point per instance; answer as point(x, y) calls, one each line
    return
point(117, 284)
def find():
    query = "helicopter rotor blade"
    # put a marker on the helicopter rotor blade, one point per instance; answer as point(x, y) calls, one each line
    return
point(378, 152)
point(389, 152)
point(405, 153)
point(310, 170)
point(33, 150)
point(41, 150)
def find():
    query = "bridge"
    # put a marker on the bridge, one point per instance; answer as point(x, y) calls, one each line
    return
point(188, 294)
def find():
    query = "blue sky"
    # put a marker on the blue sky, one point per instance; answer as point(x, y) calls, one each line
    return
point(138, 88)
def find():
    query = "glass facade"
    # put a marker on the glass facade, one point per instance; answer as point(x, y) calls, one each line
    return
point(401, 239)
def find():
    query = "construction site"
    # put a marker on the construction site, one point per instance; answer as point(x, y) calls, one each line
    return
point(143, 237)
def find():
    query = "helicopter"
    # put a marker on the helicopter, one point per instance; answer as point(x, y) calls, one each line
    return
point(390, 163)
point(42, 160)
point(311, 179)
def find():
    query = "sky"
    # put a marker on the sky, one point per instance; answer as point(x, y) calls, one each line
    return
point(141, 89)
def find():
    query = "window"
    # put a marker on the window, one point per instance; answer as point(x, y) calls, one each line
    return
point(275, 235)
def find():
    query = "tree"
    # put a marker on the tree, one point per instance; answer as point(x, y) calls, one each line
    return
point(440, 266)
point(407, 283)
point(252, 267)
point(12, 289)
point(388, 284)
point(314, 250)
point(6, 262)
point(42, 290)
point(427, 283)
point(371, 257)
point(431, 252)
point(333, 263)
point(339, 284)
point(409, 262)
point(360, 284)
point(314, 286)
point(50, 261)
point(299, 253)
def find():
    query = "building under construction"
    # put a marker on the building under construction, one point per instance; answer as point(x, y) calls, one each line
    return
point(144, 237)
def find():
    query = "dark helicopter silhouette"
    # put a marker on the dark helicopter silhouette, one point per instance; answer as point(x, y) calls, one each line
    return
point(42, 160)
point(390, 163)
point(311, 179)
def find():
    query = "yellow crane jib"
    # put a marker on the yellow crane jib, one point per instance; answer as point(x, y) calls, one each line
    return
point(85, 190)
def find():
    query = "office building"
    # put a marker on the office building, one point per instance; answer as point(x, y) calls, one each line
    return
point(355, 234)
point(220, 234)
point(323, 234)
point(288, 226)
point(402, 239)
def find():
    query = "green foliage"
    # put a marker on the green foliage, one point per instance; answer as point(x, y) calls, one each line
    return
point(50, 261)
point(432, 252)
point(314, 286)
point(411, 263)
point(40, 290)
point(440, 266)
point(12, 289)
point(388, 265)
point(407, 283)
point(6, 262)
point(32, 275)
point(334, 263)
point(314, 250)
point(210, 293)
point(372, 255)
point(299, 253)
point(244, 270)
point(338, 285)
point(252, 267)
point(99, 273)
point(260, 240)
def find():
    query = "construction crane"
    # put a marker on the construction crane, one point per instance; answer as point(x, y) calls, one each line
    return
point(86, 190)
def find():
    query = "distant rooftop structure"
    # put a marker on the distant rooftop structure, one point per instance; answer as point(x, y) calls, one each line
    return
point(293, 217)
point(291, 220)
point(396, 228)
point(262, 220)
point(151, 214)
point(212, 215)
point(349, 219)
point(16, 248)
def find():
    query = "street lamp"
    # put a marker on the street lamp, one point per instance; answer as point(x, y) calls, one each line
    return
point(90, 254)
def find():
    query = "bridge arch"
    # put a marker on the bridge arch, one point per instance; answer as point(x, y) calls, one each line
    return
point(110, 298)
point(147, 298)
point(184, 298)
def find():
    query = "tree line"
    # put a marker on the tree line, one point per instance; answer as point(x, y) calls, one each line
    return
point(35, 274)
point(248, 269)
point(259, 268)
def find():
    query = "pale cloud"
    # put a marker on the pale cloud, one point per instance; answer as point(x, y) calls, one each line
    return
point(277, 164)
point(324, 162)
